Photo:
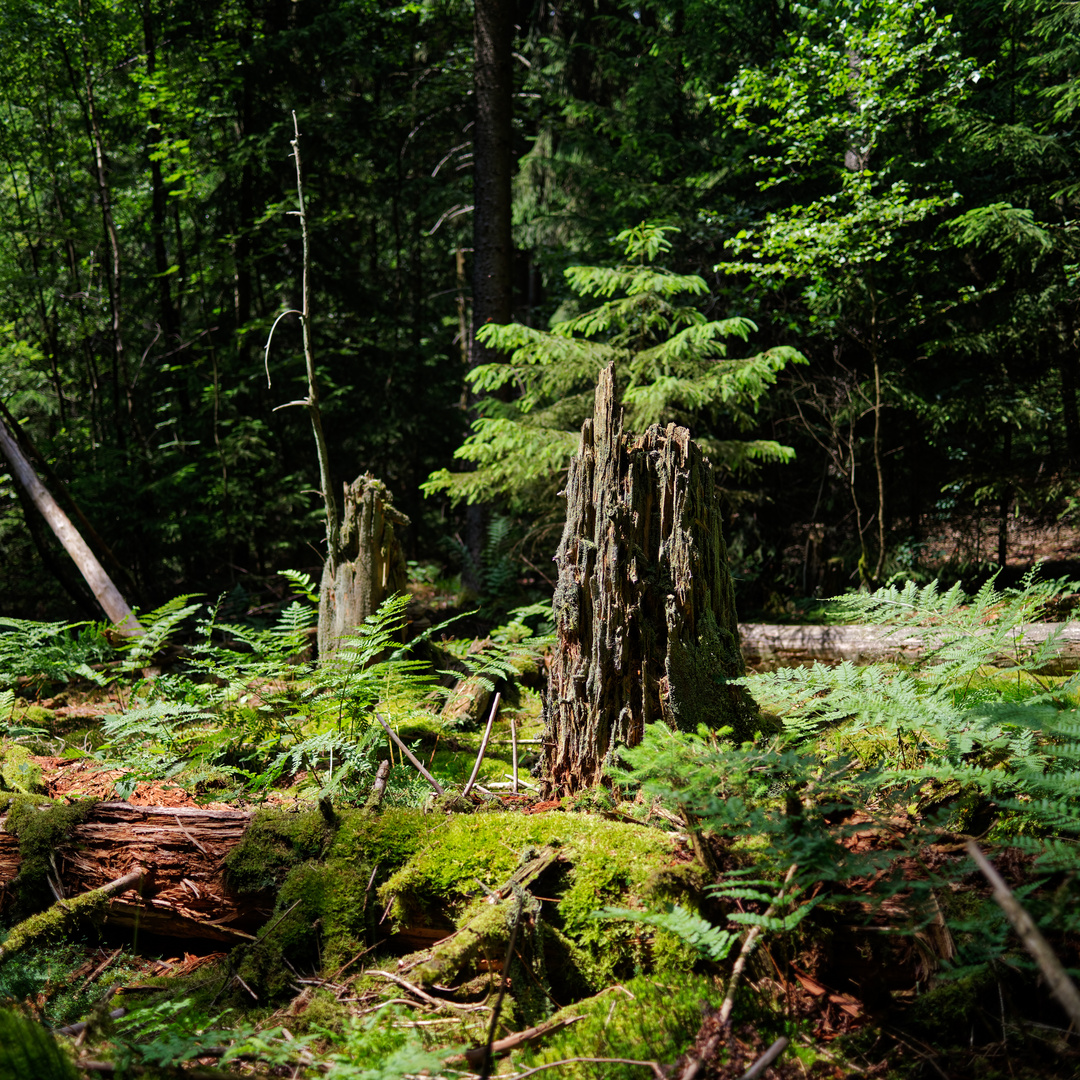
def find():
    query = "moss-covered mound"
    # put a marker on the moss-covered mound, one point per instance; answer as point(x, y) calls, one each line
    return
point(341, 883)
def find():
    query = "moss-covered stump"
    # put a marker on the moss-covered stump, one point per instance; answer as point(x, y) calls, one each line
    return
point(17, 772)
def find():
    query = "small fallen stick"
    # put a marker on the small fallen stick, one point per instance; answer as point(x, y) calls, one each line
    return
point(766, 1059)
point(1061, 986)
point(513, 743)
point(475, 1055)
point(439, 1003)
point(439, 790)
point(483, 746)
point(378, 789)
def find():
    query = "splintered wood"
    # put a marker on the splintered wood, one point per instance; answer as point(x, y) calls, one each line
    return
point(183, 848)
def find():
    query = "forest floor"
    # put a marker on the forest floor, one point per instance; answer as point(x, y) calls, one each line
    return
point(611, 935)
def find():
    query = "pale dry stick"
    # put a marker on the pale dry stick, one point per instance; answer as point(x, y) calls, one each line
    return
point(190, 837)
point(439, 790)
point(1062, 987)
point(513, 743)
point(423, 995)
point(766, 1059)
point(483, 746)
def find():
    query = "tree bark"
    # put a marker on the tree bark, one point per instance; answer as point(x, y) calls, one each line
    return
point(107, 594)
point(493, 87)
point(366, 564)
point(644, 607)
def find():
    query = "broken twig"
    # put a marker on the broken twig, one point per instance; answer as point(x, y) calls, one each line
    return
point(483, 745)
point(439, 790)
point(1062, 987)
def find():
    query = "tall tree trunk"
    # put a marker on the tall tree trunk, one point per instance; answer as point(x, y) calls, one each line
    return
point(644, 607)
point(493, 87)
point(107, 594)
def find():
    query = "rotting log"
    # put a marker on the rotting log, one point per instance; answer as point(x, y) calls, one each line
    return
point(644, 607)
point(367, 564)
point(183, 849)
point(773, 646)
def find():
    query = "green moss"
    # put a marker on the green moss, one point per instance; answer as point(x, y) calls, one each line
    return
point(604, 862)
point(648, 1018)
point(946, 1011)
point(272, 845)
point(51, 924)
point(17, 771)
point(43, 828)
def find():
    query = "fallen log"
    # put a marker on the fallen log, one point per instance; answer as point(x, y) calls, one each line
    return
point(63, 913)
point(185, 895)
point(770, 646)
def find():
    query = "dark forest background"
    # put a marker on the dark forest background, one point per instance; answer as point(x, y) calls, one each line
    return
point(888, 188)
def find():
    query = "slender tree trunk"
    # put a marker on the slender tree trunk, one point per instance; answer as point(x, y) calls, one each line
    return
point(107, 594)
point(493, 86)
point(121, 383)
point(1069, 370)
point(158, 194)
point(644, 607)
point(1006, 496)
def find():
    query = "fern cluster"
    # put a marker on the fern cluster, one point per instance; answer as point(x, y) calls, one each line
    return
point(939, 742)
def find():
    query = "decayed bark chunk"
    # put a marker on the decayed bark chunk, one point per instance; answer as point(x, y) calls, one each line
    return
point(644, 607)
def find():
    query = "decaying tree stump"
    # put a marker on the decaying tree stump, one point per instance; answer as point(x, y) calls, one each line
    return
point(365, 565)
point(644, 607)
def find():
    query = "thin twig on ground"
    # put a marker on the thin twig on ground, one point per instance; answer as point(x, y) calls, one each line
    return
point(1061, 986)
point(439, 790)
point(483, 745)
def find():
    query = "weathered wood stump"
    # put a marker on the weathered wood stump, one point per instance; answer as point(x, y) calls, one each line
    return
point(366, 564)
point(644, 607)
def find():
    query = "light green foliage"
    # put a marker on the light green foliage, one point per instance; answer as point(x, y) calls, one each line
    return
point(707, 940)
point(944, 739)
point(671, 361)
point(942, 721)
point(284, 712)
point(51, 651)
point(17, 771)
point(647, 1018)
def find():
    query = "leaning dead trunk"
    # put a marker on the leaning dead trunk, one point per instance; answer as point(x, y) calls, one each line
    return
point(107, 594)
point(644, 607)
point(366, 564)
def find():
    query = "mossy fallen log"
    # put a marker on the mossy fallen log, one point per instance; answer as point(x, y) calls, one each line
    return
point(50, 849)
point(771, 646)
point(55, 921)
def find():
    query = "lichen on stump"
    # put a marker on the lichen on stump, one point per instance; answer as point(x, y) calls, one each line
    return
point(366, 564)
point(644, 607)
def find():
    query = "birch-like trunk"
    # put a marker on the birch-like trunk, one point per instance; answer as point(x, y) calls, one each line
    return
point(107, 594)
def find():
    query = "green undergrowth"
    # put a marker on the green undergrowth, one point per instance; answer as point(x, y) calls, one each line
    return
point(646, 1018)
